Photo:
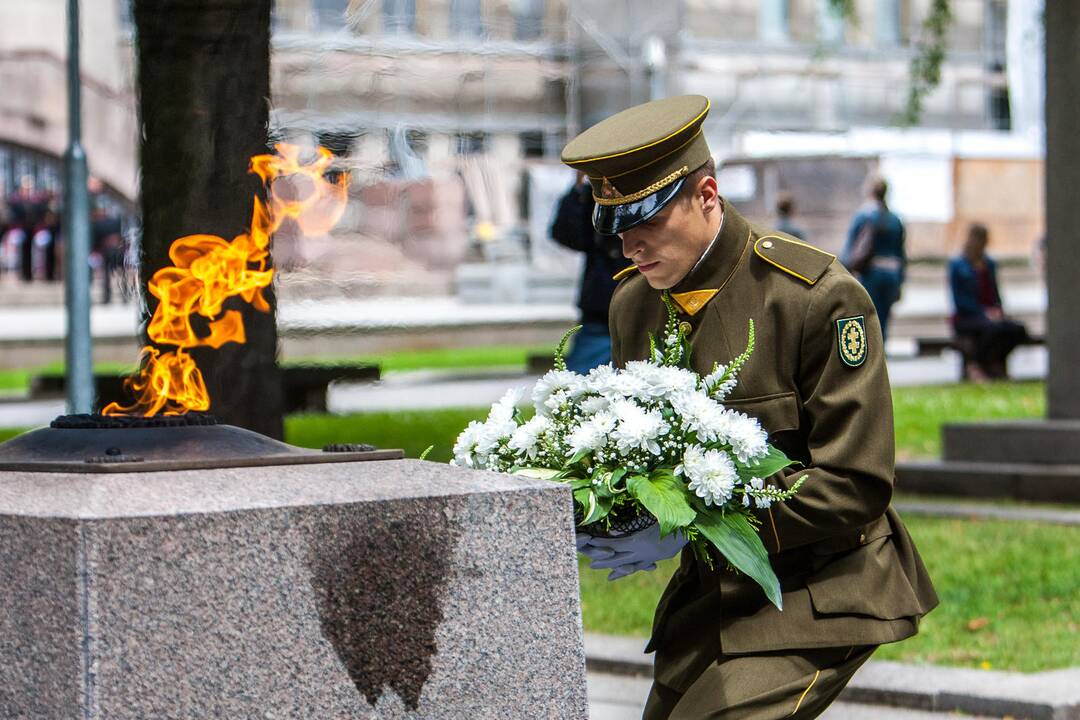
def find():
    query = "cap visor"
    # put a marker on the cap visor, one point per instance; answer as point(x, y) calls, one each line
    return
point(614, 219)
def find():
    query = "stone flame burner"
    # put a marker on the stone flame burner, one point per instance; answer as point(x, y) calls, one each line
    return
point(124, 444)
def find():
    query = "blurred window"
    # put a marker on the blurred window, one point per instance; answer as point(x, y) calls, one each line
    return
point(774, 19)
point(889, 23)
point(339, 142)
point(532, 143)
point(528, 19)
point(399, 16)
point(471, 143)
point(465, 18)
point(830, 25)
point(994, 30)
point(328, 14)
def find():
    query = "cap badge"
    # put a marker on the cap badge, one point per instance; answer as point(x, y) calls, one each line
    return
point(608, 191)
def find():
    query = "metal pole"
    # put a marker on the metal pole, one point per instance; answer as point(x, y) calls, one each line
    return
point(76, 232)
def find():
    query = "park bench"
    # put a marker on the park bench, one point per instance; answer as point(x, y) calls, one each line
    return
point(931, 346)
point(304, 385)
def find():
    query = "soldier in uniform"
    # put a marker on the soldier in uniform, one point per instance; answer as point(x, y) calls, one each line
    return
point(850, 575)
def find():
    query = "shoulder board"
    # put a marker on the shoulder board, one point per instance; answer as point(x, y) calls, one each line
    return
point(625, 272)
point(794, 257)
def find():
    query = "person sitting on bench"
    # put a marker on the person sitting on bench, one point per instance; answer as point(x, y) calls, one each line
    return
point(984, 334)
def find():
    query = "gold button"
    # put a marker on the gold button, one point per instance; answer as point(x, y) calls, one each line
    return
point(767, 244)
point(685, 327)
point(862, 538)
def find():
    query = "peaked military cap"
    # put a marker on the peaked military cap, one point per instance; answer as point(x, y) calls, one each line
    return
point(638, 159)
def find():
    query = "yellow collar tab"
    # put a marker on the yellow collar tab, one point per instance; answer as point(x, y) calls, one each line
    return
point(693, 301)
point(795, 258)
point(624, 272)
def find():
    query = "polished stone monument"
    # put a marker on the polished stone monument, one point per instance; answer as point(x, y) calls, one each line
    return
point(380, 589)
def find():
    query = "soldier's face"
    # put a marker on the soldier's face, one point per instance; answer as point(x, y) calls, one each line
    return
point(666, 247)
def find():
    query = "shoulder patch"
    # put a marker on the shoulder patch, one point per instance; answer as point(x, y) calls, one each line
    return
point(851, 340)
point(625, 272)
point(795, 258)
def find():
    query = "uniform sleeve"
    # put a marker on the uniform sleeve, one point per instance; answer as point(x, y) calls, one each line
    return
point(848, 409)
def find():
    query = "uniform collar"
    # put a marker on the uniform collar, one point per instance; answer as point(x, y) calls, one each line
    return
point(715, 266)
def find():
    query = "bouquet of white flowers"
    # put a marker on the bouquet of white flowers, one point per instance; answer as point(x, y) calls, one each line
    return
point(652, 440)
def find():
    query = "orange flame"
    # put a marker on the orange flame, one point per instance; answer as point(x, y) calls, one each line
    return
point(207, 270)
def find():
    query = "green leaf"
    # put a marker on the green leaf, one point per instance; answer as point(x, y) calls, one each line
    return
point(538, 473)
point(594, 508)
point(664, 497)
point(733, 535)
point(423, 455)
point(772, 463)
point(579, 456)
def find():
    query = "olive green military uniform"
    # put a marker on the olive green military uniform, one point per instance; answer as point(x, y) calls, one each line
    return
point(850, 576)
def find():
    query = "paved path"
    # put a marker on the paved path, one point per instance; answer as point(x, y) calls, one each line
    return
point(616, 697)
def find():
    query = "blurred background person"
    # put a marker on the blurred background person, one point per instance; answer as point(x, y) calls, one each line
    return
point(985, 335)
point(785, 210)
point(107, 254)
point(874, 251)
point(573, 229)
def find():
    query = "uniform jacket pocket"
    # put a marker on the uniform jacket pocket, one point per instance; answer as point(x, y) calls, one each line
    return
point(866, 580)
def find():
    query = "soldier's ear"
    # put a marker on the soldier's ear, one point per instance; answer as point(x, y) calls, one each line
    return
point(709, 194)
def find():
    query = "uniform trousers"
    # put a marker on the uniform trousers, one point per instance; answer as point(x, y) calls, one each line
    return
point(797, 684)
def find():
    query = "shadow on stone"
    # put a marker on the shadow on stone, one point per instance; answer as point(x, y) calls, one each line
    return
point(379, 582)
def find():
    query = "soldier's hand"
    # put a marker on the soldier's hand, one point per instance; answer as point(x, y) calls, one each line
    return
point(630, 553)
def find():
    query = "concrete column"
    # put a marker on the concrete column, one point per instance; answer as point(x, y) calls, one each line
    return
point(1062, 210)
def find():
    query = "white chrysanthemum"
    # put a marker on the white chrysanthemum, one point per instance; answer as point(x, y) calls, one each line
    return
point(600, 378)
point(592, 433)
point(552, 382)
point(503, 411)
point(700, 414)
point(660, 381)
point(747, 438)
point(627, 385)
point(711, 474)
point(526, 438)
point(594, 404)
point(637, 428)
point(554, 401)
point(465, 445)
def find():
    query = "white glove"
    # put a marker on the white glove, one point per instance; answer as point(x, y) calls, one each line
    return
point(627, 554)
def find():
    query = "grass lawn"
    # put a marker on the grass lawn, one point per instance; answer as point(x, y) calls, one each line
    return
point(412, 431)
point(1010, 596)
point(8, 433)
point(920, 412)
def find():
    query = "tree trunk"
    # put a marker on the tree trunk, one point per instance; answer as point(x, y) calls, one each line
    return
point(1062, 210)
point(204, 83)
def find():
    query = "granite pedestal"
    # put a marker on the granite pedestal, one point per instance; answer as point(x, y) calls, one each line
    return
point(384, 589)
